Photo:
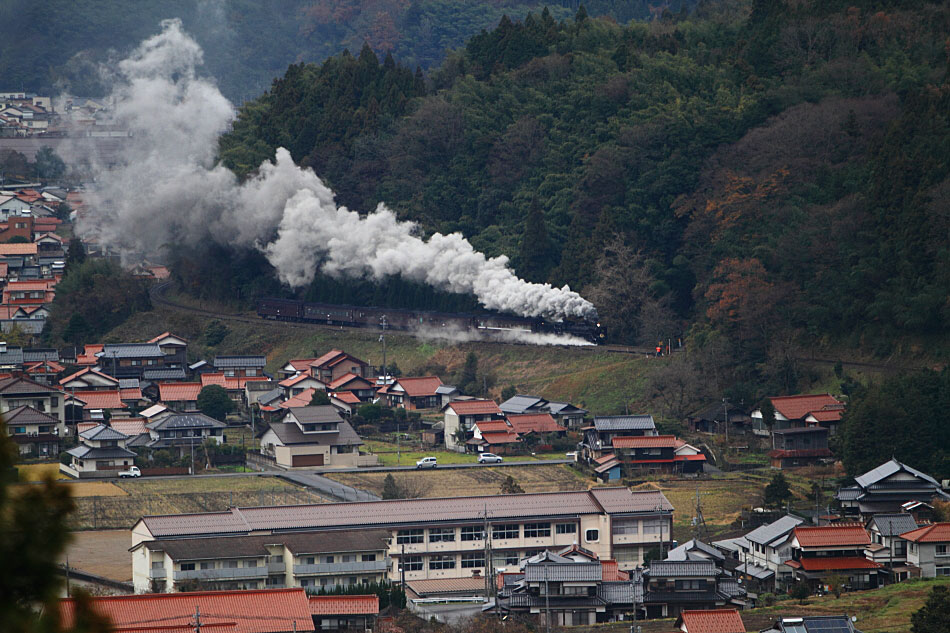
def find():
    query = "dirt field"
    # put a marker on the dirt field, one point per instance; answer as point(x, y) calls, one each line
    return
point(103, 552)
point(470, 481)
point(38, 472)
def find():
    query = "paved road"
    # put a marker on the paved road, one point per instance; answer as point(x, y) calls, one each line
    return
point(328, 487)
point(383, 469)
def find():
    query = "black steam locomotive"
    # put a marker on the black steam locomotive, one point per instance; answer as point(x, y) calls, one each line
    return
point(401, 319)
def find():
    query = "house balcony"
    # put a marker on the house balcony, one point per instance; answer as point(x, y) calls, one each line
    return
point(220, 573)
point(157, 573)
point(342, 568)
point(276, 568)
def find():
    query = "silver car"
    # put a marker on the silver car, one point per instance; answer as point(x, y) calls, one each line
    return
point(489, 458)
point(427, 462)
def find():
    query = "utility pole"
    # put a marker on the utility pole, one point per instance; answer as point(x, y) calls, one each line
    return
point(547, 601)
point(725, 413)
point(489, 572)
point(191, 443)
point(197, 619)
point(67, 576)
point(382, 339)
point(402, 568)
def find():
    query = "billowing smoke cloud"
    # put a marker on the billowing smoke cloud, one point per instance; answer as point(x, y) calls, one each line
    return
point(165, 188)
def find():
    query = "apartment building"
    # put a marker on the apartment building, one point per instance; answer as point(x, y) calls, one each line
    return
point(455, 537)
point(316, 559)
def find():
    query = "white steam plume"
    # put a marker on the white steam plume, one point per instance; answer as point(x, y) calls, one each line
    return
point(166, 189)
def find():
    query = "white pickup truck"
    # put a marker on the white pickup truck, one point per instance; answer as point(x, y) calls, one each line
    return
point(133, 471)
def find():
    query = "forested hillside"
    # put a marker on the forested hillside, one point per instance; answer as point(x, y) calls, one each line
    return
point(59, 44)
point(769, 175)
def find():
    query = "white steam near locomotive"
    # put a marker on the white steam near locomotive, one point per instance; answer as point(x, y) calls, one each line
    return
point(166, 188)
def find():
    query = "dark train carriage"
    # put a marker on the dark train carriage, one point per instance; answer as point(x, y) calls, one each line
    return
point(280, 309)
point(329, 314)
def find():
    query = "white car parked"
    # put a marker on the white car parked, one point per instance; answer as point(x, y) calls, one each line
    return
point(427, 462)
point(133, 471)
point(489, 458)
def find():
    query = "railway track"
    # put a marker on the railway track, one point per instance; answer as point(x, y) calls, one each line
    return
point(158, 296)
point(158, 291)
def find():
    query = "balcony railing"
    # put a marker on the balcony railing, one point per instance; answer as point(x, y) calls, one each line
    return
point(156, 572)
point(221, 573)
point(342, 568)
point(276, 568)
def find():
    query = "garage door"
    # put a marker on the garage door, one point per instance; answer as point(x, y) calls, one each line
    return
point(307, 460)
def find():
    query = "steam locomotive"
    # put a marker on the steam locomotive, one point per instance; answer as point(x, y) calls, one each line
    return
point(401, 319)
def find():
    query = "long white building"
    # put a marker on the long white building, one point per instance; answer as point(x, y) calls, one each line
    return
point(427, 538)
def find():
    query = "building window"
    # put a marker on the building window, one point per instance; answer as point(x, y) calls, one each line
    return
point(251, 563)
point(537, 530)
point(472, 533)
point(328, 560)
point(941, 550)
point(441, 562)
point(348, 558)
point(942, 571)
point(625, 527)
point(187, 566)
point(690, 585)
point(410, 536)
point(412, 563)
point(592, 536)
point(207, 565)
point(230, 564)
point(351, 580)
point(565, 528)
point(368, 558)
point(653, 526)
point(473, 559)
point(54, 402)
point(441, 535)
point(511, 558)
point(507, 530)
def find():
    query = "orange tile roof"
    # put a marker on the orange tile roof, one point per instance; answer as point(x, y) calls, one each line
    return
point(290, 382)
point(130, 393)
point(88, 370)
point(797, 407)
point(832, 536)
point(129, 426)
point(302, 399)
point(646, 441)
point(178, 391)
point(936, 533)
point(301, 364)
point(534, 423)
point(344, 605)
point(231, 383)
point(346, 396)
point(164, 335)
point(347, 378)
point(254, 611)
point(18, 249)
point(419, 386)
point(712, 621)
point(500, 438)
point(210, 378)
point(88, 357)
point(44, 367)
point(831, 563)
point(475, 407)
point(610, 571)
point(493, 426)
point(332, 355)
point(103, 399)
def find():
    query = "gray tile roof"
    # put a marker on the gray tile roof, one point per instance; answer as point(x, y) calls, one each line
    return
point(271, 396)
point(620, 592)
point(129, 383)
point(38, 355)
point(247, 546)
point(103, 432)
point(230, 362)
point(322, 413)
point(759, 573)
point(185, 421)
point(19, 386)
point(563, 572)
point(677, 568)
point(520, 404)
point(624, 423)
point(89, 452)
point(557, 408)
point(290, 434)
point(131, 350)
point(887, 469)
point(13, 356)
point(164, 374)
point(407, 512)
point(683, 552)
point(765, 534)
point(850, 493)
point(894, 524)
point(27, 415)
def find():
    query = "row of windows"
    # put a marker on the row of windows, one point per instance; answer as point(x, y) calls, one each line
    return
point(477, 532)
point(278, 558)
point(650, 526)
point(330, 559)
point(469, 561)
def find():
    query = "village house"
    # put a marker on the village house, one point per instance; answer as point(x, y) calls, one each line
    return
point(180, 396)
point(801, 446)
point(81, 404)
point(494, 436)
point(36, 434)
point(345, 402)
point(928, 549)
point(318, 560)
point(88, 379)
point(175, 349)
point(234, 385)
point(444, 538)
point(570, 585)
point(181, 431)
point(710, 621)
point(255, 611)
point(887, 488)
point(671, 587)
point(819, 553)
point(18, 391)
point(697, 550)
point(887, 547)
point(764, 552)
point(295, 367)
point(313, 436)
point(360, 387)
point(101, 453)
point(564, 413)
point(816, 623)
point(240, 366)
point(412, 393)
point(129, 360)
point(665, 453)
point(44, 371)
point(460, 418)
point(712, 419)
point(335, 364)
point(599, 439)
point(804, 410)
point(296, 385)
point(345, 613)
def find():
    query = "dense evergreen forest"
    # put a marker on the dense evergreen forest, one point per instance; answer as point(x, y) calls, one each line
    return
point(58, 45)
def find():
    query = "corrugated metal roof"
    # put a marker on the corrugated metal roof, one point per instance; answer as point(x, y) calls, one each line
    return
point(677, 568)
point(831, 536)
point(131, 350)
point(520, 403)
point(467, 586)
point(887, 469)
point(767, 533)
point(894, 524)
point(229, 362)
point(344, 605)
point(409, 511)
point(475, 407)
